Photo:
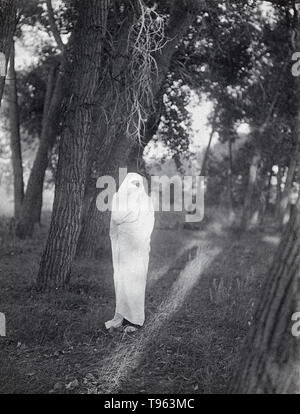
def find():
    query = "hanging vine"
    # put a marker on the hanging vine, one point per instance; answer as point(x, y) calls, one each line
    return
point(146, 37)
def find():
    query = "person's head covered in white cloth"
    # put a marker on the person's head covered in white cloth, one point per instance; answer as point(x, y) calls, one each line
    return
point(132, 222)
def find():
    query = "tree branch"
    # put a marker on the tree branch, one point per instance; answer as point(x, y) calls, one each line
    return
point(53, 26)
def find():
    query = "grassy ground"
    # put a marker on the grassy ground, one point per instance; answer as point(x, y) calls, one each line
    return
point(202, 288)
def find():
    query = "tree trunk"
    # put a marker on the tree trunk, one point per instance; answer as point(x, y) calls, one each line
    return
point(94, 234)
point(269, 191)
point(229, 177)
point(93, 240)
point(280, 174)
point(95, 224)
point(15, 138)
point(263, 196)
point(206, 155)
point(85, 67)
point(7, 30)
point(284, 204)
point(32, 205)
point(250, 190)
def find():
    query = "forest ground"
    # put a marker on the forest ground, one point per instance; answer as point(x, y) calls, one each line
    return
point(202, 288)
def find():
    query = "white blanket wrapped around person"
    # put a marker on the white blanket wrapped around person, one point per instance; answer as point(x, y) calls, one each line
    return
point(131, 226)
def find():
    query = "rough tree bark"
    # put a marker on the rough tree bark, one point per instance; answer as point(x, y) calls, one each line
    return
point(7, 29)
point(84, 63)
point(15, 138)
point(106, 124)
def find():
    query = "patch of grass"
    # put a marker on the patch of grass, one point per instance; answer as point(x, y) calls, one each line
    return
point(200, 299)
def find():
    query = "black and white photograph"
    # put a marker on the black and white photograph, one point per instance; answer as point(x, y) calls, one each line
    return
point(149, 199)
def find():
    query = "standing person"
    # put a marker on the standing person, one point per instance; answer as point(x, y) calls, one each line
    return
point(132, 222)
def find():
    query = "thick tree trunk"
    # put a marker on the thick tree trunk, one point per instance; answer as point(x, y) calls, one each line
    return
point(7, 30)
point(109, 102)
point(85, 67)
point(15, 138)
point(253, 170)
point(94, 234)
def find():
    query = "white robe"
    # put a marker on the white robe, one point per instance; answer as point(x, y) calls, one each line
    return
point(132, 222)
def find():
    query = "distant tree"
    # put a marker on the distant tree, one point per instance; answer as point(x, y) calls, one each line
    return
point(214, 121)
point(56, 85)
point(8, 9)
point(271, 109)
point(15, 136)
